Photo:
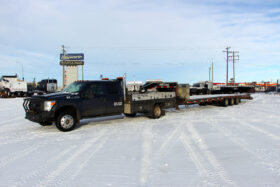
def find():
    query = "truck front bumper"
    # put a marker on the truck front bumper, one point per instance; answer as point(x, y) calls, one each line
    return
point(40, 117)
point(34, 112)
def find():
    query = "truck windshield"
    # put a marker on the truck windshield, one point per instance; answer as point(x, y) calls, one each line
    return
point(74, 87)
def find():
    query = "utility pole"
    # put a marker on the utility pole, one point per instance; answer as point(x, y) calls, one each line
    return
point(212, 71)
point(227, 51)
point(209, 74)
point(235, 57)
point(63, 67)
point(277, 86)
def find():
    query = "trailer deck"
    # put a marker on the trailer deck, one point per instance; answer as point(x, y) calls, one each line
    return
point(215, 99)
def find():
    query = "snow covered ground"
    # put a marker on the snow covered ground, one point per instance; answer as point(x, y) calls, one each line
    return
point(196, 146)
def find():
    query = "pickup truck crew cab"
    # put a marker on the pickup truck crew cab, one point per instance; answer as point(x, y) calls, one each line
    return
point(86, 99)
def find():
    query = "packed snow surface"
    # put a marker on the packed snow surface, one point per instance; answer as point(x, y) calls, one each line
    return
point(196, 146)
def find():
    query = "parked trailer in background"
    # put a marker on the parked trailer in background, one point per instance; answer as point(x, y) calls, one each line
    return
point(206, 87)
point(11, 86)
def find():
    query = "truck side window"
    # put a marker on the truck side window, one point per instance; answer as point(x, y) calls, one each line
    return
point(95, 90)
point(98, 90)
point(112, 89)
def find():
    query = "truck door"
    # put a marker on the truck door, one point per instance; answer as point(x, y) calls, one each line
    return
point(114, 98)
point(94, 100)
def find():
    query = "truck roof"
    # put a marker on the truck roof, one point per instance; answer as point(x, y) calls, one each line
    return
point(95, 81)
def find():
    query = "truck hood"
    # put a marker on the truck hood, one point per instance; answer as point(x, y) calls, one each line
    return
point(57, 96)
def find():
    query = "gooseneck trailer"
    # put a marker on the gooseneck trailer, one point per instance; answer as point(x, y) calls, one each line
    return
point(86, 99)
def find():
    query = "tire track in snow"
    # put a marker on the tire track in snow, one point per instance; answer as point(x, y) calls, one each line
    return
point(52, 179)
point(218, 169)
point(264, 155)
point(41, 169)
point(147, 139)
point(25, 137)
point(3, 123)
point(271, 135)
point(168, 143)
point(18, 155)
point(260, 155)
point(87, 159)
point(196, 158)
point(269, 119)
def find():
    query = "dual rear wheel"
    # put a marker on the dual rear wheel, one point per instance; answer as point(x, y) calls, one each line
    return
point(157, 112)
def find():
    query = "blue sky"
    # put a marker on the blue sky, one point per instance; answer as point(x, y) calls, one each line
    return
point(147, 39)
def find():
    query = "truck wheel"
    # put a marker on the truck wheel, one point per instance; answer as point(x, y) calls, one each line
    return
point(8, 93)
point(156, 113)
point(45, 123)
point(66, 121)
point(130, 115)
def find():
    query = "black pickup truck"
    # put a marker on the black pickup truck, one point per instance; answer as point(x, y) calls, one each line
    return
point(81, 99)
point(86, 99)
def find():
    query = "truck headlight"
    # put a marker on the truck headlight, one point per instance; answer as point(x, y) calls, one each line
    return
point(48, 105)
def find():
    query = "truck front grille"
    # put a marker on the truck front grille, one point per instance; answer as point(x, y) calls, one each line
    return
point(33, 106)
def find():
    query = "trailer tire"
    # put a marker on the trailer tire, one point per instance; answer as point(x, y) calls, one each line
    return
point(232, 101)
point(225, 103)
point(157, 112)
point(66, 121)
point(237, 101)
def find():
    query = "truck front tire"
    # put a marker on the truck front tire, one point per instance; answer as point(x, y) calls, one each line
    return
point(66, 121)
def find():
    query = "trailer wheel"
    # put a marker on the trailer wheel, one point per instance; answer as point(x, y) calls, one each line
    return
point(237, 101)
point(232, 101)
point(225, 103)
point(66, 121)
point(46, 123)
point(157, 112)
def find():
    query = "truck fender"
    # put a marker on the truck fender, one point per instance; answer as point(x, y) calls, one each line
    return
point(73, 107)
